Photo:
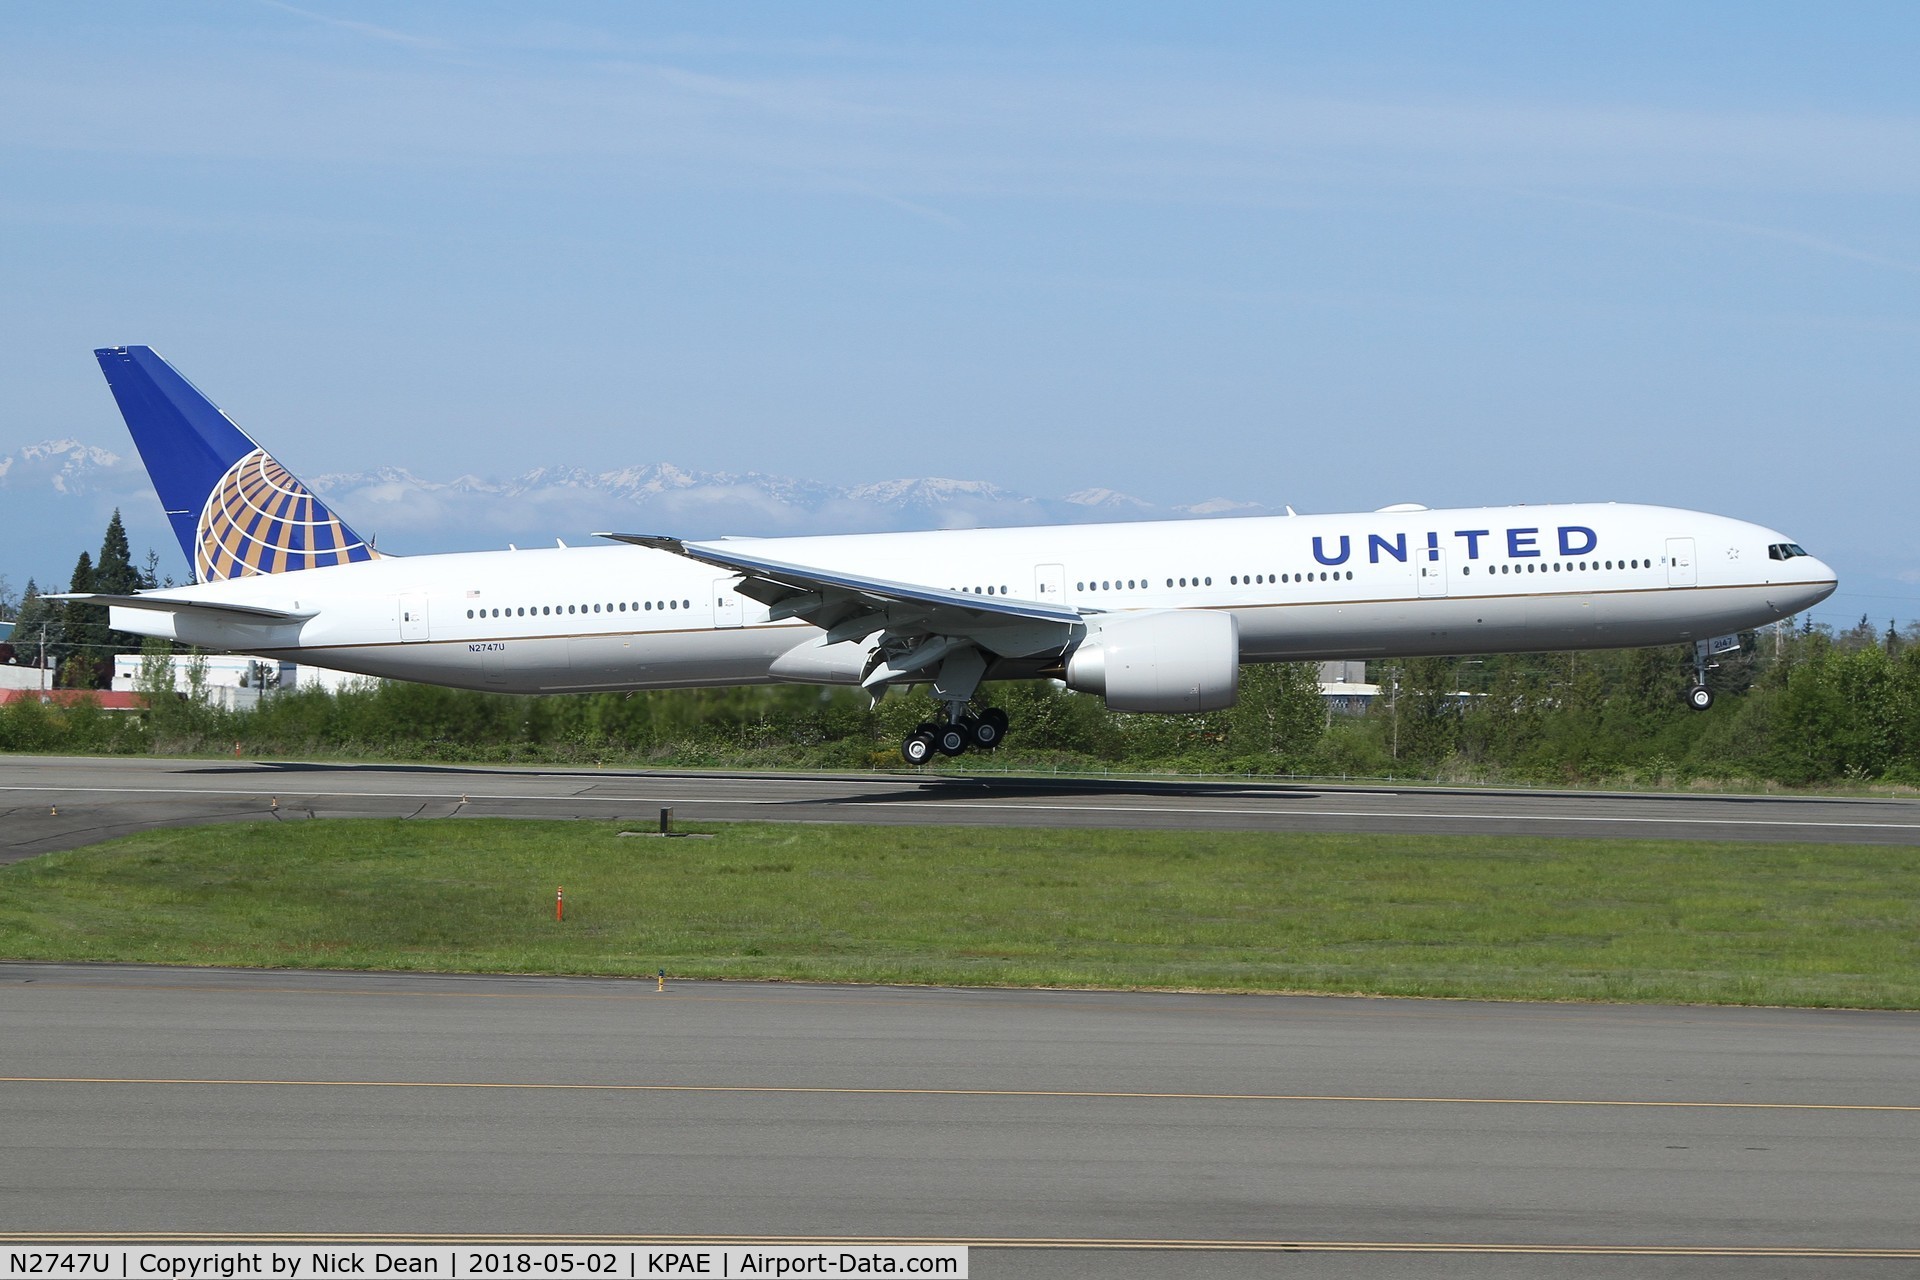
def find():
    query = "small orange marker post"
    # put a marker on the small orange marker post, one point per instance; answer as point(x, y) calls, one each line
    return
point(236, 751)
point(560, 902)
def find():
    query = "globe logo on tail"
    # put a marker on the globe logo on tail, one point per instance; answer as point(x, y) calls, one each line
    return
point(259, 519)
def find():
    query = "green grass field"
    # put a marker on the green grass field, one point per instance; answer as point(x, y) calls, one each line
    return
point(1506, 918)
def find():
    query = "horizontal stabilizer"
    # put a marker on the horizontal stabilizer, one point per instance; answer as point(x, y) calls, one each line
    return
point(166, 604)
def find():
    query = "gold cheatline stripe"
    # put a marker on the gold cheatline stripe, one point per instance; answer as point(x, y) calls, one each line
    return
point(975, 1093)
point(981, 1242)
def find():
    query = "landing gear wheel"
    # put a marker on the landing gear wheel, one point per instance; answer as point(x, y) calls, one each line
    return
point(917, 748)
point(986, 730)
point(951, 740)
point(1699, 697)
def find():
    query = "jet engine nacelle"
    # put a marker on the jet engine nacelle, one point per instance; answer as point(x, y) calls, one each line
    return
point(1176, 660)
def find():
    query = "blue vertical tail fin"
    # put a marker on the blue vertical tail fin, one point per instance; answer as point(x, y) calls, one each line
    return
point(234, 509)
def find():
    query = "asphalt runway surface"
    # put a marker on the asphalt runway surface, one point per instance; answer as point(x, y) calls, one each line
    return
point(49, 803)
point(1059, 1133)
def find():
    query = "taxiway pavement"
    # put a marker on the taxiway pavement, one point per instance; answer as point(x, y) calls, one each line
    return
point(1051, 1129)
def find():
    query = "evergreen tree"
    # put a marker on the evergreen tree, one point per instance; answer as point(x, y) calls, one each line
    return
point(114, 574)
point(38, 627)
point(85, 625)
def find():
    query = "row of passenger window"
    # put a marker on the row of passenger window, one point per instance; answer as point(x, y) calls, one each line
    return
point(1238, 579)
point(1263, 579)
point(1557, 566)
point(536, 611)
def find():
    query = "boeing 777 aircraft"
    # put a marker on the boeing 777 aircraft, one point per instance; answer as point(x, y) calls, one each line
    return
point(1153, 616)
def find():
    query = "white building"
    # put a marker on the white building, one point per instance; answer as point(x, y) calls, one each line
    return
point(234, 681)
point(1344, 688)
point(21, 675)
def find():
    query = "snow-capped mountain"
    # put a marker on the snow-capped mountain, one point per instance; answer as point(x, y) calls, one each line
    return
point(66, 466)
point(56, 496)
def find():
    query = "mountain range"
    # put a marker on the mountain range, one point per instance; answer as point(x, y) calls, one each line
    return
point(56, 496)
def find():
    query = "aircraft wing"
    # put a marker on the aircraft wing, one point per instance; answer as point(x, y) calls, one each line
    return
point(850, 605)
point(166, 604)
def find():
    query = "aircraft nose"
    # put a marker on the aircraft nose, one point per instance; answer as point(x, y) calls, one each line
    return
point(1819, 583)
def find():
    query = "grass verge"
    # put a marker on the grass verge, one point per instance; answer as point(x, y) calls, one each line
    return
point(1514, 918)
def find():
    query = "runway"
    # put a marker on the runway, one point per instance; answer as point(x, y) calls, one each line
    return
point(1059, 1133)
point(49, 803)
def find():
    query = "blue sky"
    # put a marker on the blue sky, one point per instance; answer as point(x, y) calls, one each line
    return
point(1332, 255)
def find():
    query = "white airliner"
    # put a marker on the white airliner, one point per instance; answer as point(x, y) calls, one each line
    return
point(1151, 616)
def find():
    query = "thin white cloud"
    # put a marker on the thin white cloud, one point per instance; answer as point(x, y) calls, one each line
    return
point(368, 29)
point(1781, 235)
point(921, 133)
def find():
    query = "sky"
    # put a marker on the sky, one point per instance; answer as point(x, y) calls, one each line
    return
point(1333, 255)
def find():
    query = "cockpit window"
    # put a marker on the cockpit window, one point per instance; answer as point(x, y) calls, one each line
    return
point(1785, 551)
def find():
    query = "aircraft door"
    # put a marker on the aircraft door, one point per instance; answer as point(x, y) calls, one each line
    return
point(1680, 567)
point(1432, 567)
point(726, 603)
point(1050, 583)
point(413, 617)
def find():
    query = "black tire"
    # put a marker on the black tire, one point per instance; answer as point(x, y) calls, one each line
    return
point(917, 748)
point(1699, 697)
point(998, 717)
point(952, 740)
point(986, 731)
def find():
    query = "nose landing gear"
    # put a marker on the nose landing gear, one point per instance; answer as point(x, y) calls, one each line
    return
point(1698, 696)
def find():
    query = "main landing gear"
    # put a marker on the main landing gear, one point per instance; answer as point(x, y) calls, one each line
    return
point(955, 735)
